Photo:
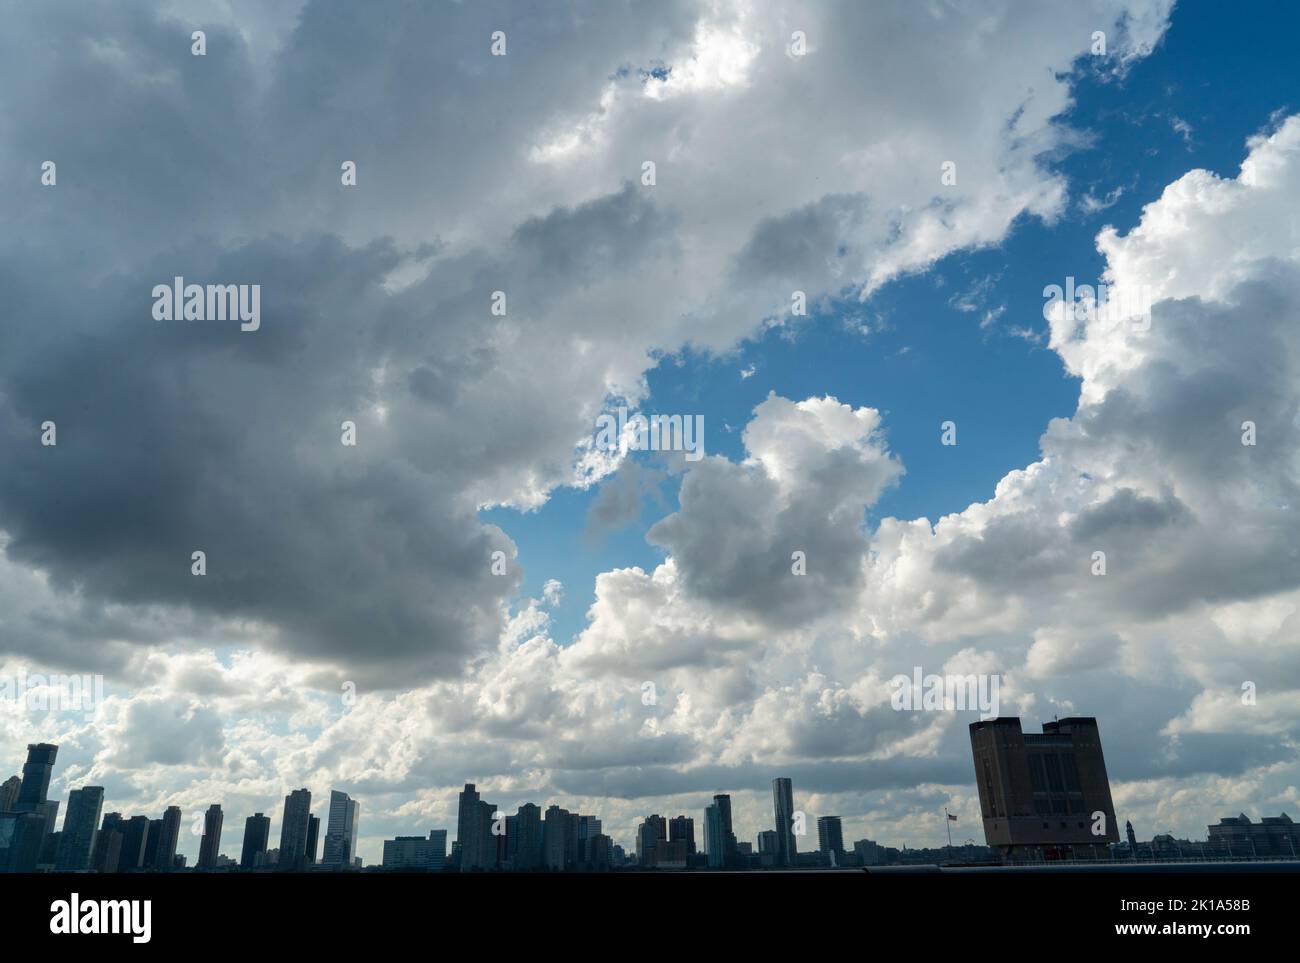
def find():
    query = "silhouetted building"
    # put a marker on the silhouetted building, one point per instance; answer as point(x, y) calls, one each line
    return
point(1167, 846)
point(783, 813)
point(648, 834)
point(1237, 836)
point(723, 802)
point(1044, 796)
point(49, 848)
point(669, 854)
point(294, 826)
point(50, 811)
point(714, 849)
point(575, 840)
point(9, 794)
point(477, 845)
point(501, 834)
point(108, 850)
point(35, 786)
point(869, 853)
point(526, 840)
point(80, 822)
point(210, 844)
point(599, 852)
point(556, 830)
point(682, 828)
point(512, 842)
point(719, 839)
point(437, 850)
point(341, 831)
point(313, 833)
point(257, 833)
point(33, 798)
point(588, 830)
point(416, 853)
point(151, 840)
point(170, 836)
point(22, 835)
point(135, 833)
point(830, 840)
point(108, 843)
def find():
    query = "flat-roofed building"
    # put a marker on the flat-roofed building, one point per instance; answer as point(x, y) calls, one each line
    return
point(1044, 796)
point(1237, 837)
point(416, 853)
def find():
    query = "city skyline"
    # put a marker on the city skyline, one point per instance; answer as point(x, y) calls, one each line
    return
point(625, 407)
point(551, 838)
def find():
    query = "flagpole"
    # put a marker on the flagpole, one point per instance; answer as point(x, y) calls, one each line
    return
point(947, 822)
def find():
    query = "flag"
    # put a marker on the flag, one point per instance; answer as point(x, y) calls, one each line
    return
point(950, 816)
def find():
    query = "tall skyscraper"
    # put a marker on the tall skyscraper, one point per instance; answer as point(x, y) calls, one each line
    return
point(171, 830)
point(293, 831)
point(50, 811)
point(556, 828)
point(714, 837)
point(465, 803)
point(437, 850)
point(512, 841)
point(135, 833)
point(313, 834)
point(573, 842)
point(648, 835)
point(33, 791)
point(341, 831)
point(476, 844)
point(210, 845)
point(466, 826)
point(830, 840)
point(80, 823)
point(787, 849)
point(33, 794)
point(1044, 796)
point(588, 830)
point(527, 845)
point(723, 802)
point(682, 829)
point(108, 843)
point(257, 831)
point(49, 849)
point(152, 837)
point(599, 852)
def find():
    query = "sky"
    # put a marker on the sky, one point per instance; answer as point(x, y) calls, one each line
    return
point(920, 171)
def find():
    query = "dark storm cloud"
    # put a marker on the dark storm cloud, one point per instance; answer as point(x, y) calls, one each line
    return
point(192, 435)
point(177, 436)
point(1128, 511)
point(802, 246)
